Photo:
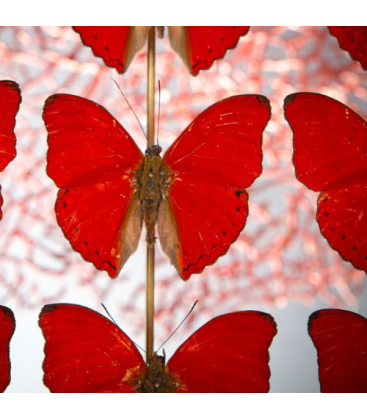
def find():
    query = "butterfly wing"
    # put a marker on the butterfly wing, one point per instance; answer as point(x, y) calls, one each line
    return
point(117, 45)
point(330, 155)
point(200, 46)
point(85, 352)
point(92, 158)
point(354, 40)
point(10, 99)
point(227, 354)
point(340, 338)
point(7, 327)
point(207, 168)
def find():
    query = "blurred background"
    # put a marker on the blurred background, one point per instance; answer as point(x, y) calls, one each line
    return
point(281, 264)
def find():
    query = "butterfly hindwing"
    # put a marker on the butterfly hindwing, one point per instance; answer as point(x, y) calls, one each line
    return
point(200, 46)
point(10, 99)
point(340, 338)
point(330, 155)
point(85, 352)
point(117, 45)
point(228, 354)
point(210, 165)
point(7, 327)
point(92, 158)
point(354, 40)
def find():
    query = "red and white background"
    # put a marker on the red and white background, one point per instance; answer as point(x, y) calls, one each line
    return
point(280, 264)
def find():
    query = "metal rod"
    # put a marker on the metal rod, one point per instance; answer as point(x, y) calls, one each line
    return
point(150, 249)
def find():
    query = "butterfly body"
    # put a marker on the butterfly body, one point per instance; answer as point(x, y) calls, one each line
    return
point(157, 378)
point(151, 184)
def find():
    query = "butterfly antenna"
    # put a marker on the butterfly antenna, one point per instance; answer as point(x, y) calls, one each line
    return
point(122, 93)
point(137, 345)
point(193, 306)
point(159, 107)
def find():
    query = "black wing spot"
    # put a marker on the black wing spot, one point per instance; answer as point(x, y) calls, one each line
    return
point(97, 252)
point(325, 198)
point(85, 243)
point(343, 27)
point(363, 51)
point(210, 50)
point(233, 224)
point(64, 205)
point(77, 230)
point(201, 256)
point(365, 257)
point(343, 237)
point(332, 229)
point(66, 191)
point(352, 40)
point(222, 39)
point(213, 247)
point(233, 27)
point(238, 193)
point(95, 36)
point(112, 266)
point(68, 220)
point(224, 233)
point(326, 214)
point(106, 48)
point(238, 209)
point(354, 249)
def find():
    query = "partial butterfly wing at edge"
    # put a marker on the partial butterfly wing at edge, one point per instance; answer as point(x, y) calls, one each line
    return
point(340, 338)
point(10, 99)
point(200, 46)
point(354, 40)
point(330, 155)
point(7, 327)
point(85, 352)
point(208, 168)
point(117, 45)
point(92, 158)
point(227, 354)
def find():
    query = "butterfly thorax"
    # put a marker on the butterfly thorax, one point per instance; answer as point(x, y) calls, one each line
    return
point(157, 377)
point(152, 183)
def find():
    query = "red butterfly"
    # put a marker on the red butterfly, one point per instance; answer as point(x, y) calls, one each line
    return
point(85, 352)
point(195, 193)
point(10, 99)
point(330, 155)
point(7, 327)
point(198, 46)
point(354, 40)
point(340, 338)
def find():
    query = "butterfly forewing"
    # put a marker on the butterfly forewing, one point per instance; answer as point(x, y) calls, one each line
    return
point(85, 352)
point(228, 354)
point(340, 338)
point(209, 166)
point(92, 158)
point(7, 327)
point(117, 45)
point(10, 99)
point(330, 155)
point(199, 46)
point(354, 40)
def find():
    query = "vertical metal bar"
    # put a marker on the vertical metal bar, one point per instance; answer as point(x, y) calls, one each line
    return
point(150, 249)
